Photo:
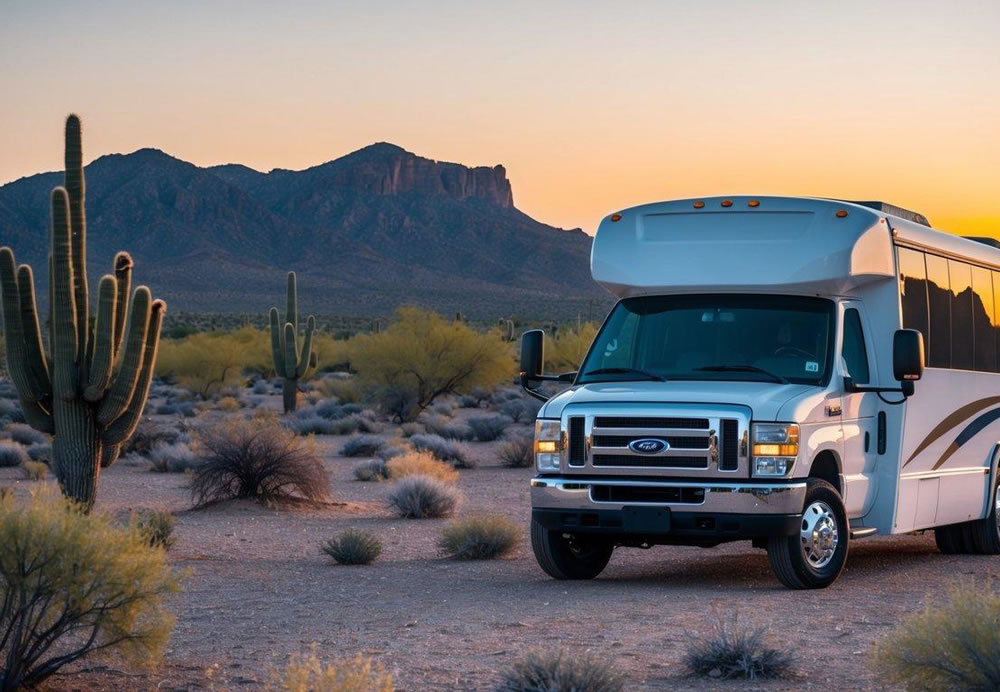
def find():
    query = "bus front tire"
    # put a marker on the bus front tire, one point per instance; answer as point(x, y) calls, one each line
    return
point(814, 556)
point(569, 557)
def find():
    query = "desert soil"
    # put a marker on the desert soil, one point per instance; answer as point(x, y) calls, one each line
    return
point(258, 589)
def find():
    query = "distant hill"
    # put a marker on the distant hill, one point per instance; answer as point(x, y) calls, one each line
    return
point(367, 232)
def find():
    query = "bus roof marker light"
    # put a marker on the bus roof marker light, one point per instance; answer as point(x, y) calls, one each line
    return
point(615, 218)
point(841, 214)
point(753, 203)
point(727, 203)
point(699, 205)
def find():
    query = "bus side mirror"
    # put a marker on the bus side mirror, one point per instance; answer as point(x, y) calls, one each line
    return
point(532, 355)
point(908, 356)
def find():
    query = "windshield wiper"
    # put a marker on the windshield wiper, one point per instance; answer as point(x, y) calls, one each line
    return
point(626, 371)
point(742, 368)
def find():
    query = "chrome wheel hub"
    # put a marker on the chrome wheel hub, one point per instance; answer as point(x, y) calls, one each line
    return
point(819, 536)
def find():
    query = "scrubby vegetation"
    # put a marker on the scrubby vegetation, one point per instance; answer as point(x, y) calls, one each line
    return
point(362, 445)
point(207, 362)
point(559, 672)
point(567, 348)
point(258, 460)
point(156, 525)
point(371, 470)
point(518, 451)
point(25, 434)
point(12, 454)
point(443, 449)
point(489, 428)
point(731, 650)
point(480, 537)
point(420, 464)
point(75, 587)
point(35, 470)
point(952, 646)
point(172, 458)
point(307, 673)
point(353, 547)
point(421, 497)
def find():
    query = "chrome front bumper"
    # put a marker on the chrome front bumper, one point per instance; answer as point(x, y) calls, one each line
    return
point(566, 493)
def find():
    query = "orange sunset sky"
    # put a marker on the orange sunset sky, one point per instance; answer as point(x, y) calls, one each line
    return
point(590, 106)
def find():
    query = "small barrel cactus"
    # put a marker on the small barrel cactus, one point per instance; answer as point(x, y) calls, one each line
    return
point(290, 363)
point(90, 388)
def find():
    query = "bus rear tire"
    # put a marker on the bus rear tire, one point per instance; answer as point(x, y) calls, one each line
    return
point(949, 540)
point(985, 533)
point(814, 556)
point(564, 557)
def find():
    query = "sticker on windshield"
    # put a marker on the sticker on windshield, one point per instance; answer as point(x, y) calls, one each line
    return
point(812, 366)
point(611, 348)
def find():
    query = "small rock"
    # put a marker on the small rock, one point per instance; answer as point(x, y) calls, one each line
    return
point(715, 673)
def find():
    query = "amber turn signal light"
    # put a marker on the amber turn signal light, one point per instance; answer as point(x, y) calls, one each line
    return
point(699, 205)
point(727, 202)
point(842, 214)
point(753, 203)
point(616, 217)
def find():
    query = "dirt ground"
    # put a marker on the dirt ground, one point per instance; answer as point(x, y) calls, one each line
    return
point(259, 589)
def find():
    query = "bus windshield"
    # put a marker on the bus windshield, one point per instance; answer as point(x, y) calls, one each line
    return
point(757, 338)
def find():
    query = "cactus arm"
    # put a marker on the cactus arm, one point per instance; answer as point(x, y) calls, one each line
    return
point(31, 334)
point(277, 347)
point(290, 354)
point(18, 363)
point(65, 349)
point(123, 427)
point(100, 367)
point(123, 385)
point(306, 353)
point(38, 415)
point(78, 229)
point(109, 455)
point(292, 306)
point(123, 275)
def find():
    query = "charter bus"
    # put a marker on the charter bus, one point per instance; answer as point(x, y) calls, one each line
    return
point(762, 377)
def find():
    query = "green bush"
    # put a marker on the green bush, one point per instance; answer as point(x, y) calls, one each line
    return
point(559, 672)
point(75, 587)
point(947, 647)
point(307, 673)
point(354, 547)
point(206, 362)
point(483, 537)
point(420, 497)
point(157, 525)
point(732, 651)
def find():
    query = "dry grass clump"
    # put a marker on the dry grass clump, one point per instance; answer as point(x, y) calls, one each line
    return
point(228, 404)
point(731, 651)
point(149, 435)
point(517, 452)
point(362, 446)
point(421, 464)
point(412, 428)
point(12, 454)
point(443, 449)
point(353, 547)
point(947, 647)
point(481, 537)
point(489, 428)
point(35, 470)
point(548, 671)
point(257, 460)
point(307, 673)
point(371, 470)
point(76, 587)
point(421, 497)
point(172, 458)
point(157, 525)
point(343, 389)
point(447, 428)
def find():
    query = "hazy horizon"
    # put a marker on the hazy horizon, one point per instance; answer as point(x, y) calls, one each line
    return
point(589, 108)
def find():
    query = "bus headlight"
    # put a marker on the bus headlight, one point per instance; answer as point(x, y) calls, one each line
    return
point(548, 445)
point(775, 446)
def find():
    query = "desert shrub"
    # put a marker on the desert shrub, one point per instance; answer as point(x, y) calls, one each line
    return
point(447, 428)
point(443, 408)
point(480, 537)
point(12, 454)
point(354, 547)
point(443, 449)
point(550, 671)
point(35, 470)
point(489, 428)
point(420, 497)
point(344, 426)
point(365, 422)
point(371, 470)
point(412, 428)
point(422, 356)
point(952, 646)
point(307, 673)
point(41, 452)
point(362, 446)
point(228, 404)
point(420, 464)
point(262, 387)
point(168, 408)
point(156, 525)
point(206, 362)
point(149, 435)
point(731, 650)
point(468, 401)
point(172, 458)
point(567, 350)
point(395, 448)
point(310, 424)
point(520, 409)
point(26, 435)
point(188, 409)
point(257, 460)
point(343, 389)
point(517, 452)
point(331, 410)
point(75, 587)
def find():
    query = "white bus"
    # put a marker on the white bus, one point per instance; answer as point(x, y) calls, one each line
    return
point(758, 380)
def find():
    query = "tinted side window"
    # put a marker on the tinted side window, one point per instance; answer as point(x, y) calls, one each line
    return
point(983, 319)
point(939, 302)
point(855, 355)
point(913, 290)
point(962, 337)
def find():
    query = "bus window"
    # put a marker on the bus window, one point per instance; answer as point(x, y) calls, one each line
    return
point(939, 302)
point(962, 337)
point(855, 355)
point(983, 319)
point(913, 290)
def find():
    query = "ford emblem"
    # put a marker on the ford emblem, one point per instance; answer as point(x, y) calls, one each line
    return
point(648, 446)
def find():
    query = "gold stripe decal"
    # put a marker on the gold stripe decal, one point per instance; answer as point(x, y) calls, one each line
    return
point(951, 421)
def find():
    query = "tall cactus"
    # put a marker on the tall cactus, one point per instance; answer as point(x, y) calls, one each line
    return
point(89, 390)
point(290, 363)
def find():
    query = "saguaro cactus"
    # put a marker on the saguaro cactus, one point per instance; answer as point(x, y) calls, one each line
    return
point(506, 328)
point(89, 390)
point(290, 363)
